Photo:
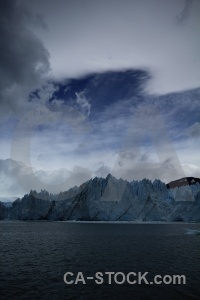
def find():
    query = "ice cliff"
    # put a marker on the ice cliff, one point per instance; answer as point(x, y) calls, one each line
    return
point(110, 199)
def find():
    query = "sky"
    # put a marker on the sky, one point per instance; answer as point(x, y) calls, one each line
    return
point(92, 87)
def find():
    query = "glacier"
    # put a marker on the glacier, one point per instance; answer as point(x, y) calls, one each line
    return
point(110, 199)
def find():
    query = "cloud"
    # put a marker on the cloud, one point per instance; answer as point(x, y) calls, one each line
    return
point(23, 58)
point(59, 125)
point(83, 103)
point(17, 179)
point(138, 132)
point(165, 171)
point(125, 152)
point(98, 36)
point(102, 171)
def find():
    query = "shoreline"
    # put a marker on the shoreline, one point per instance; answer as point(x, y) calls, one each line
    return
point(102, 222)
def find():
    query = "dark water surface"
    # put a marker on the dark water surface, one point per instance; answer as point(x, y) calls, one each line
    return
point(35, 255)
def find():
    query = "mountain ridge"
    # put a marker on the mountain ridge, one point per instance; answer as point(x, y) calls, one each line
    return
point(110, 199)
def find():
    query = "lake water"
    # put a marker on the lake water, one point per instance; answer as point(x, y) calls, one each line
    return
point(34, 256)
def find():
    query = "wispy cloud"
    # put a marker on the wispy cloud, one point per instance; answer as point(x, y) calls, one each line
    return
point(84, 104)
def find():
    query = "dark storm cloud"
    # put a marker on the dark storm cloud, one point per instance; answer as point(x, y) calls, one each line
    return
point(23, 58)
